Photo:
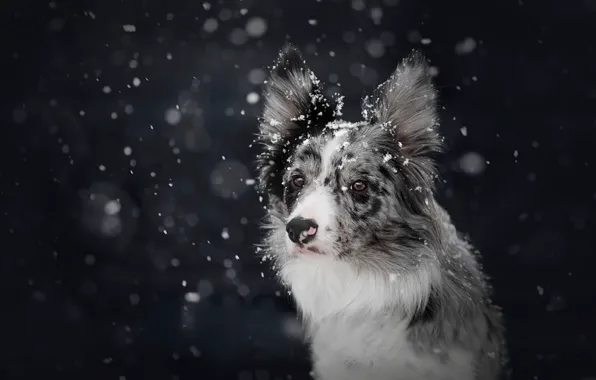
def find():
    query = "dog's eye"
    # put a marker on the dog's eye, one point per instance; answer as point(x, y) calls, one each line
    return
point(359, 186)
point(298, 182)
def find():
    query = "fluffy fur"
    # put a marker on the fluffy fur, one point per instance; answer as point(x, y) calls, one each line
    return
point(387, 289)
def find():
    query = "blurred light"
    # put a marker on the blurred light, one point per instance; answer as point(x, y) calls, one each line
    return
point(111, 225)
point(192, 297)
point(238, 36)
point(89, 259)
point(173, 116)
point(210, 25)
point(466, 46)
point(101, 211)
point(358, 5)
point(256, 27)
point(256, 76)
point(243, 290)
point(472, 163)
point(225, 14)
point(252, 98)
point(231, 273)
point(375, 48)
point(376, 14)
point(112, 207)
point(134, 299)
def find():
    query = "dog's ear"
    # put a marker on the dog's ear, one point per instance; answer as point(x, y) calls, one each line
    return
point(405, 104)
point(294, 106)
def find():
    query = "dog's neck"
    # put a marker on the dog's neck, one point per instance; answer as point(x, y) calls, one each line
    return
point(325, 287)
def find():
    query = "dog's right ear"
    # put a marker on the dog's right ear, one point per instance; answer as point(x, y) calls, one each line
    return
point(294, 107)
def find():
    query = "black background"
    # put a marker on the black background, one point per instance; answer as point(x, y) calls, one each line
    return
point(104, 297)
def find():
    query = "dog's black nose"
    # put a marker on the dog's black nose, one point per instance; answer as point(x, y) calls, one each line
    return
point(301, 230)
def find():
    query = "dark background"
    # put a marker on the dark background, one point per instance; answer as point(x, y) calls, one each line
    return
point(163, 283)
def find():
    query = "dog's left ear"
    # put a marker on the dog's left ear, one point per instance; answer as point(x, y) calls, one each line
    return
point(294, 107)
point(406, 105)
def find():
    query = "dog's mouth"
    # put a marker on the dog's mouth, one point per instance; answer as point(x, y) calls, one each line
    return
point(304, 249)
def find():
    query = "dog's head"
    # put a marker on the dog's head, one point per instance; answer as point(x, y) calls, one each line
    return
point(356, 192)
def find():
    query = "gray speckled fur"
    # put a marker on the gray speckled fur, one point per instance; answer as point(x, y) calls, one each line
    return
point(395, 293)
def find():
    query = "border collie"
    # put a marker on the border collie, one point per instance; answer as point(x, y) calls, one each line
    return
point(386, 288)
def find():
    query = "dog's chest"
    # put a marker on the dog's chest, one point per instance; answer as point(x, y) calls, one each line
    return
point(353, 338)
point(379, 349)
point(342, 343)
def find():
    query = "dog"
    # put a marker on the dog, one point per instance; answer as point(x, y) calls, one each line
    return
point(386, 287)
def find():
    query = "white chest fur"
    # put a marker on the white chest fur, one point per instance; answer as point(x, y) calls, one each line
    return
point(324, 286)
point(377, 349)
point(352, 337)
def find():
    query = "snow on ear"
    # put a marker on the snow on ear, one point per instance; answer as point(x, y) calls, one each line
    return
point(294, 106)
point(406, 105)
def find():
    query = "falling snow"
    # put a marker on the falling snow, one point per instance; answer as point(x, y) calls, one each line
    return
point(252, 98)
point(173, 116)
point(466, 46)
point(472, 163)
point(143, 135)
point(256, 27)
